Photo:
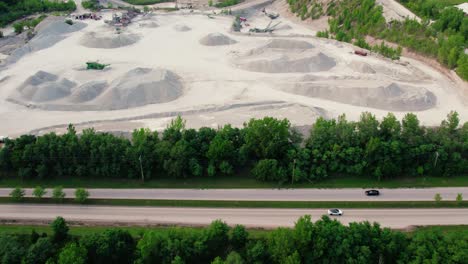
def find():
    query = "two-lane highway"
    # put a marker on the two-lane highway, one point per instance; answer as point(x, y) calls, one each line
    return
point(347, 194)
point(394, 218)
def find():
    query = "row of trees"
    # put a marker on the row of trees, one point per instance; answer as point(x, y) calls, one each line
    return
point(58, 195)
point(445, 39)
point(269, 148)
point(11, 10)
point(325, 241)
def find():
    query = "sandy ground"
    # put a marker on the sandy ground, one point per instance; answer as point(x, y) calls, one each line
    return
point(392, 10)
point(267, 218)
point(347, 194)
point(221, 84)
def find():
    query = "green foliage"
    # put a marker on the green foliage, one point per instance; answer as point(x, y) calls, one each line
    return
point(60, 228)
point(387, 51)
point(29, 24)
point(72, 254)
point(40, 252)
point(111, 246)
point(361, 42)
point(58, 194)
point(445, 39)
point(322, 34)
point(323, 241)
point(14, 10)
point(226, 3)
point(12, 249)
point(437, 197)
point(92, 5)
point(81, 195)
point(459, 198)
point(267, 149)
point(269, 170)
point(462, 68)
point(236, 24)
point(17, 194)
point(69, 22)
point(39, 192)
point(239, 237)
point(18, 27)
point(234, 258)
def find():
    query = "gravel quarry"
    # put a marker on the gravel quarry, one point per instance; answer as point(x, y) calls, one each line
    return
point(189, 64)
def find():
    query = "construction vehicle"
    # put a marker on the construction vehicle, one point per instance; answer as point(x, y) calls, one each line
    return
point(270, 15)
point(94, 65)
point(267, 29)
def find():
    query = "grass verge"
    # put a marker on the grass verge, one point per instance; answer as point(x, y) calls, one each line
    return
point(240, 181)
point(248, 204)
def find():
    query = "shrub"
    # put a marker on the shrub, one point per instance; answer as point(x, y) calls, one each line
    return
point(81, 195)
point(69, 22)
point(17, 194)
point(437, 197)
point(60, 228)
point(39, 192)
point(227, 3)
point(459, 198)
point(322, 34)
point(18, 27)
point(210, 2)
point(58, 194)
point(360, 42)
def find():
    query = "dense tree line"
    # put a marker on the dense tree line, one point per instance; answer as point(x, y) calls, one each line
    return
point(270, 148)
point(11, 10)
point(325, 241)
point(445, 39)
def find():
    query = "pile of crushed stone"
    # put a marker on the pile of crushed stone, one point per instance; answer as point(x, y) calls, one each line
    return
point(216, 39)
point(108, 41)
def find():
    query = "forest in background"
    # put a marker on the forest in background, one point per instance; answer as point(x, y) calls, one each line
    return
point(11, 10)
point(268, 149)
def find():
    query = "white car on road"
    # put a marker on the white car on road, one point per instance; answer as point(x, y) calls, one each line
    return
point(335, 212)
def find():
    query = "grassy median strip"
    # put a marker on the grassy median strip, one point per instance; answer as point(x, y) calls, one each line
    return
point(248, 204)
point(239, 181)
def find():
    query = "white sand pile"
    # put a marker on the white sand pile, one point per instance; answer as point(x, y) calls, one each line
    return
point(49, 32)
point(182, 28)
point(394, 97)
point(109, 40)
point(151, 24)
point(288, 44)
point(43, 86)
point(142, 86)
point(216, 39)
point(285, 56)
point(286, 64)
point(361, 67)
point(87, 91)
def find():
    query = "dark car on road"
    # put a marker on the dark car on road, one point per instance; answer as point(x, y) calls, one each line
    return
point(372, 193)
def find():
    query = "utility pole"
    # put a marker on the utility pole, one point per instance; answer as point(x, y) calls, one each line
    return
point(293, 172)
point(141, 168)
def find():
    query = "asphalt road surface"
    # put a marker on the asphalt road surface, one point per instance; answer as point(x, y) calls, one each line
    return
point(394, 218)
point(426, 194)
